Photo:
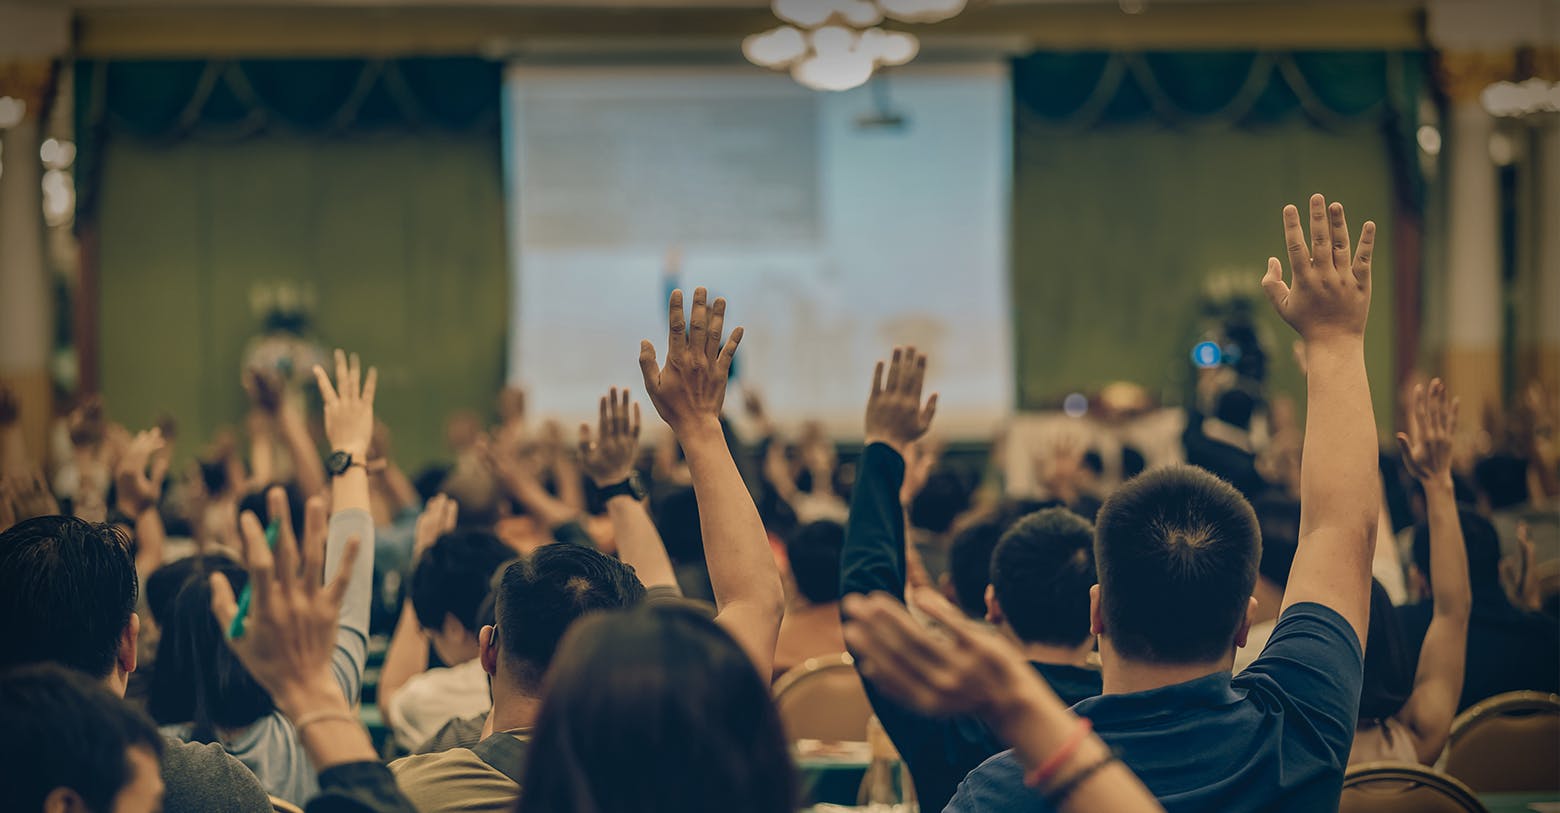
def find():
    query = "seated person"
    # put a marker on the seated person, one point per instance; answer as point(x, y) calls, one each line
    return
point(68, 593)
point(969, 564)
point(811, 626)
point(1280, 525)
point(1509, 649)
point(1039, 578)
point(1177, 552)
point(71, 745)
point(448, 586)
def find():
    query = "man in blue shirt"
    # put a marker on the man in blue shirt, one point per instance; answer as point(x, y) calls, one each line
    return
point(1177, 553)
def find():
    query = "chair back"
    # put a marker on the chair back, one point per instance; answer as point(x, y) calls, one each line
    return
point(279, 805)
point(823, 699)
point(1402, 787)
point(1508, 743)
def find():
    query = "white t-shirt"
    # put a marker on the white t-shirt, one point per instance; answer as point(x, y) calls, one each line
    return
point(433, 698)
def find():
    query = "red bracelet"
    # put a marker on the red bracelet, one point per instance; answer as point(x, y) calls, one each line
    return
point(1053, 763)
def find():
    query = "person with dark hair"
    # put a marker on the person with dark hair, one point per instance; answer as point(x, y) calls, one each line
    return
point(72, 745)
point(932, 511)
point(811, 626)
point(1406, 709)
point(969, 563)
point(1278, 518)
point(1222, 443)
point(1177, 550)
point(449, 582)
point(1034, 585)
point(1509, 648)
point(667, 677)
point(68, 594)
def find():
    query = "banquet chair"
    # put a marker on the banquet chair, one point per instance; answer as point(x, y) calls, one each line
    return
point(822, 699)
point(1402, 787)
point(1510, 742)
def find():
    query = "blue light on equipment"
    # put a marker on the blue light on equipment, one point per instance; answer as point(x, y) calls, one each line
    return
point(1207, 354)
point(1075, 405)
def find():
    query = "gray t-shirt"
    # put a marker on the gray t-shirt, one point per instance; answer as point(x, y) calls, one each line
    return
point(204, 779)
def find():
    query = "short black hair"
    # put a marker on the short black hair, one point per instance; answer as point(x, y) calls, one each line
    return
point(1482, 542)
point(1041, 572)
point(255, 502)
point(67, 591)
point(1502, 479)
point(1177, 551)
point(1234, 407)
point(969, 563)
point(677, 518)
point(163, 584)
point(814, 553)
point(453, 577)
point(1389, 669)
point(539, 596)
point(1279, 521)
point(198, 679)
point(64, 730)
point(944, 497)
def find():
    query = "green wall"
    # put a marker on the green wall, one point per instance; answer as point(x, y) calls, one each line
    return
point(1116, 229)
point(401, 237)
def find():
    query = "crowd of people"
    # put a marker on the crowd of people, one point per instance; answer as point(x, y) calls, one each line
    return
point(1228, 636)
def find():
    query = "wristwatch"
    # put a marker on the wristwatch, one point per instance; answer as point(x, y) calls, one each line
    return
point(625, 488)
point(338, 462)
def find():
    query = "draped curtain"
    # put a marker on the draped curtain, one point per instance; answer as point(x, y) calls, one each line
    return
point(1145, 181)
point(376, 184)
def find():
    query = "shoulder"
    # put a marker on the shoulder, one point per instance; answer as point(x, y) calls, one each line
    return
point(996, 786)
point(201, 776)
point(1316, 631)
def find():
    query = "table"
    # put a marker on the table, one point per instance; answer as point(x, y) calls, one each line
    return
point(1548, 802)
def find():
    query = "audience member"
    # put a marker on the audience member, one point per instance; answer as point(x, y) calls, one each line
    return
point(1279, 523)
point(1177, 552)
point(656, 710)
point(71, 745)
point(811, 626)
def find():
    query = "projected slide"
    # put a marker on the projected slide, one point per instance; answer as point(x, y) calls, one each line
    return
point(835, 230)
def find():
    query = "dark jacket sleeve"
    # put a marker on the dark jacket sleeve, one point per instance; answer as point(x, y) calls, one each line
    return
point(874, 554)
point(938, 752)
point(359, 787)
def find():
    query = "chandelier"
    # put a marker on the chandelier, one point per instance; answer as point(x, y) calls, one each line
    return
point(838, 44)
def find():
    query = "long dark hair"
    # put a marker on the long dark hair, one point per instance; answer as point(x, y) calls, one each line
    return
point(1389, 672)
point(198, 679)
point(656, 710)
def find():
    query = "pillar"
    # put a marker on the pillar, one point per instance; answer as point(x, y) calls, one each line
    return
point(26, 302)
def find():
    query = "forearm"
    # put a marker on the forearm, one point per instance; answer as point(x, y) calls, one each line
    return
point(873, 558)
point(330, 740)
point(307, 466)
point(571, 487)
point(352, 632)
point(262, 459)
point(639, 543)
point(407, 655)
point(1449, 584)
point(549, 510)
point(13, 450)
point(149, 538)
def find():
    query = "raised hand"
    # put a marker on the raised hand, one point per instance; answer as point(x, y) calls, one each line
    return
point(965, 670)
point(437, 519)
point(691, 389)
point(895, 415)
point(264, 389)
point(349, 405)
point(1329, 292)
point(610, 457)
point(137, 489)
point(289, 633)
point(1432, 424)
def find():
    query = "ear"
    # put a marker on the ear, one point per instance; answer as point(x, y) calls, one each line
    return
point(63, 800)
point(487, 642)
point(993, 607)
point(127, 644)
point(1096, 615)
point(1244, 630)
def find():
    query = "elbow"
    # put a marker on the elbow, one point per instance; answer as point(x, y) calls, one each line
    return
point(1455, 608)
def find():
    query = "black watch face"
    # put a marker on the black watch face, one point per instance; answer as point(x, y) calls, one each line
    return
point(338, 462)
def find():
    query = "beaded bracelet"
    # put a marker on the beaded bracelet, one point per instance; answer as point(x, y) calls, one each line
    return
point(1058, 795)
point(1054, 762)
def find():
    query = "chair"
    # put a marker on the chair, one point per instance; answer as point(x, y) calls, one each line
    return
point(823, 699)
point(284, 806)
point(1508, 743)
point(1401, 787)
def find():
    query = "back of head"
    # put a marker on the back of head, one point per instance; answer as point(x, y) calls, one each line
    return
point(1234, 407)
point(669, 677)
point(969, 563)
point(1279, 521)
point(163, 584)
point(67, 590)
point(1177, 552)
point(1502, 481)
point(198, 679)
point(255, 502)
point(814, 553)
point(540, 596)
point(64, 730)
point(1483, 545)
point(944, 497)
point(677, 518)
point(1041, 572)
point(454, 575)
point(1389, 671)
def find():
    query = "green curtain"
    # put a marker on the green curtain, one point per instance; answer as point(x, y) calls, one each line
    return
point(1142, 181)
point(402, 239)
